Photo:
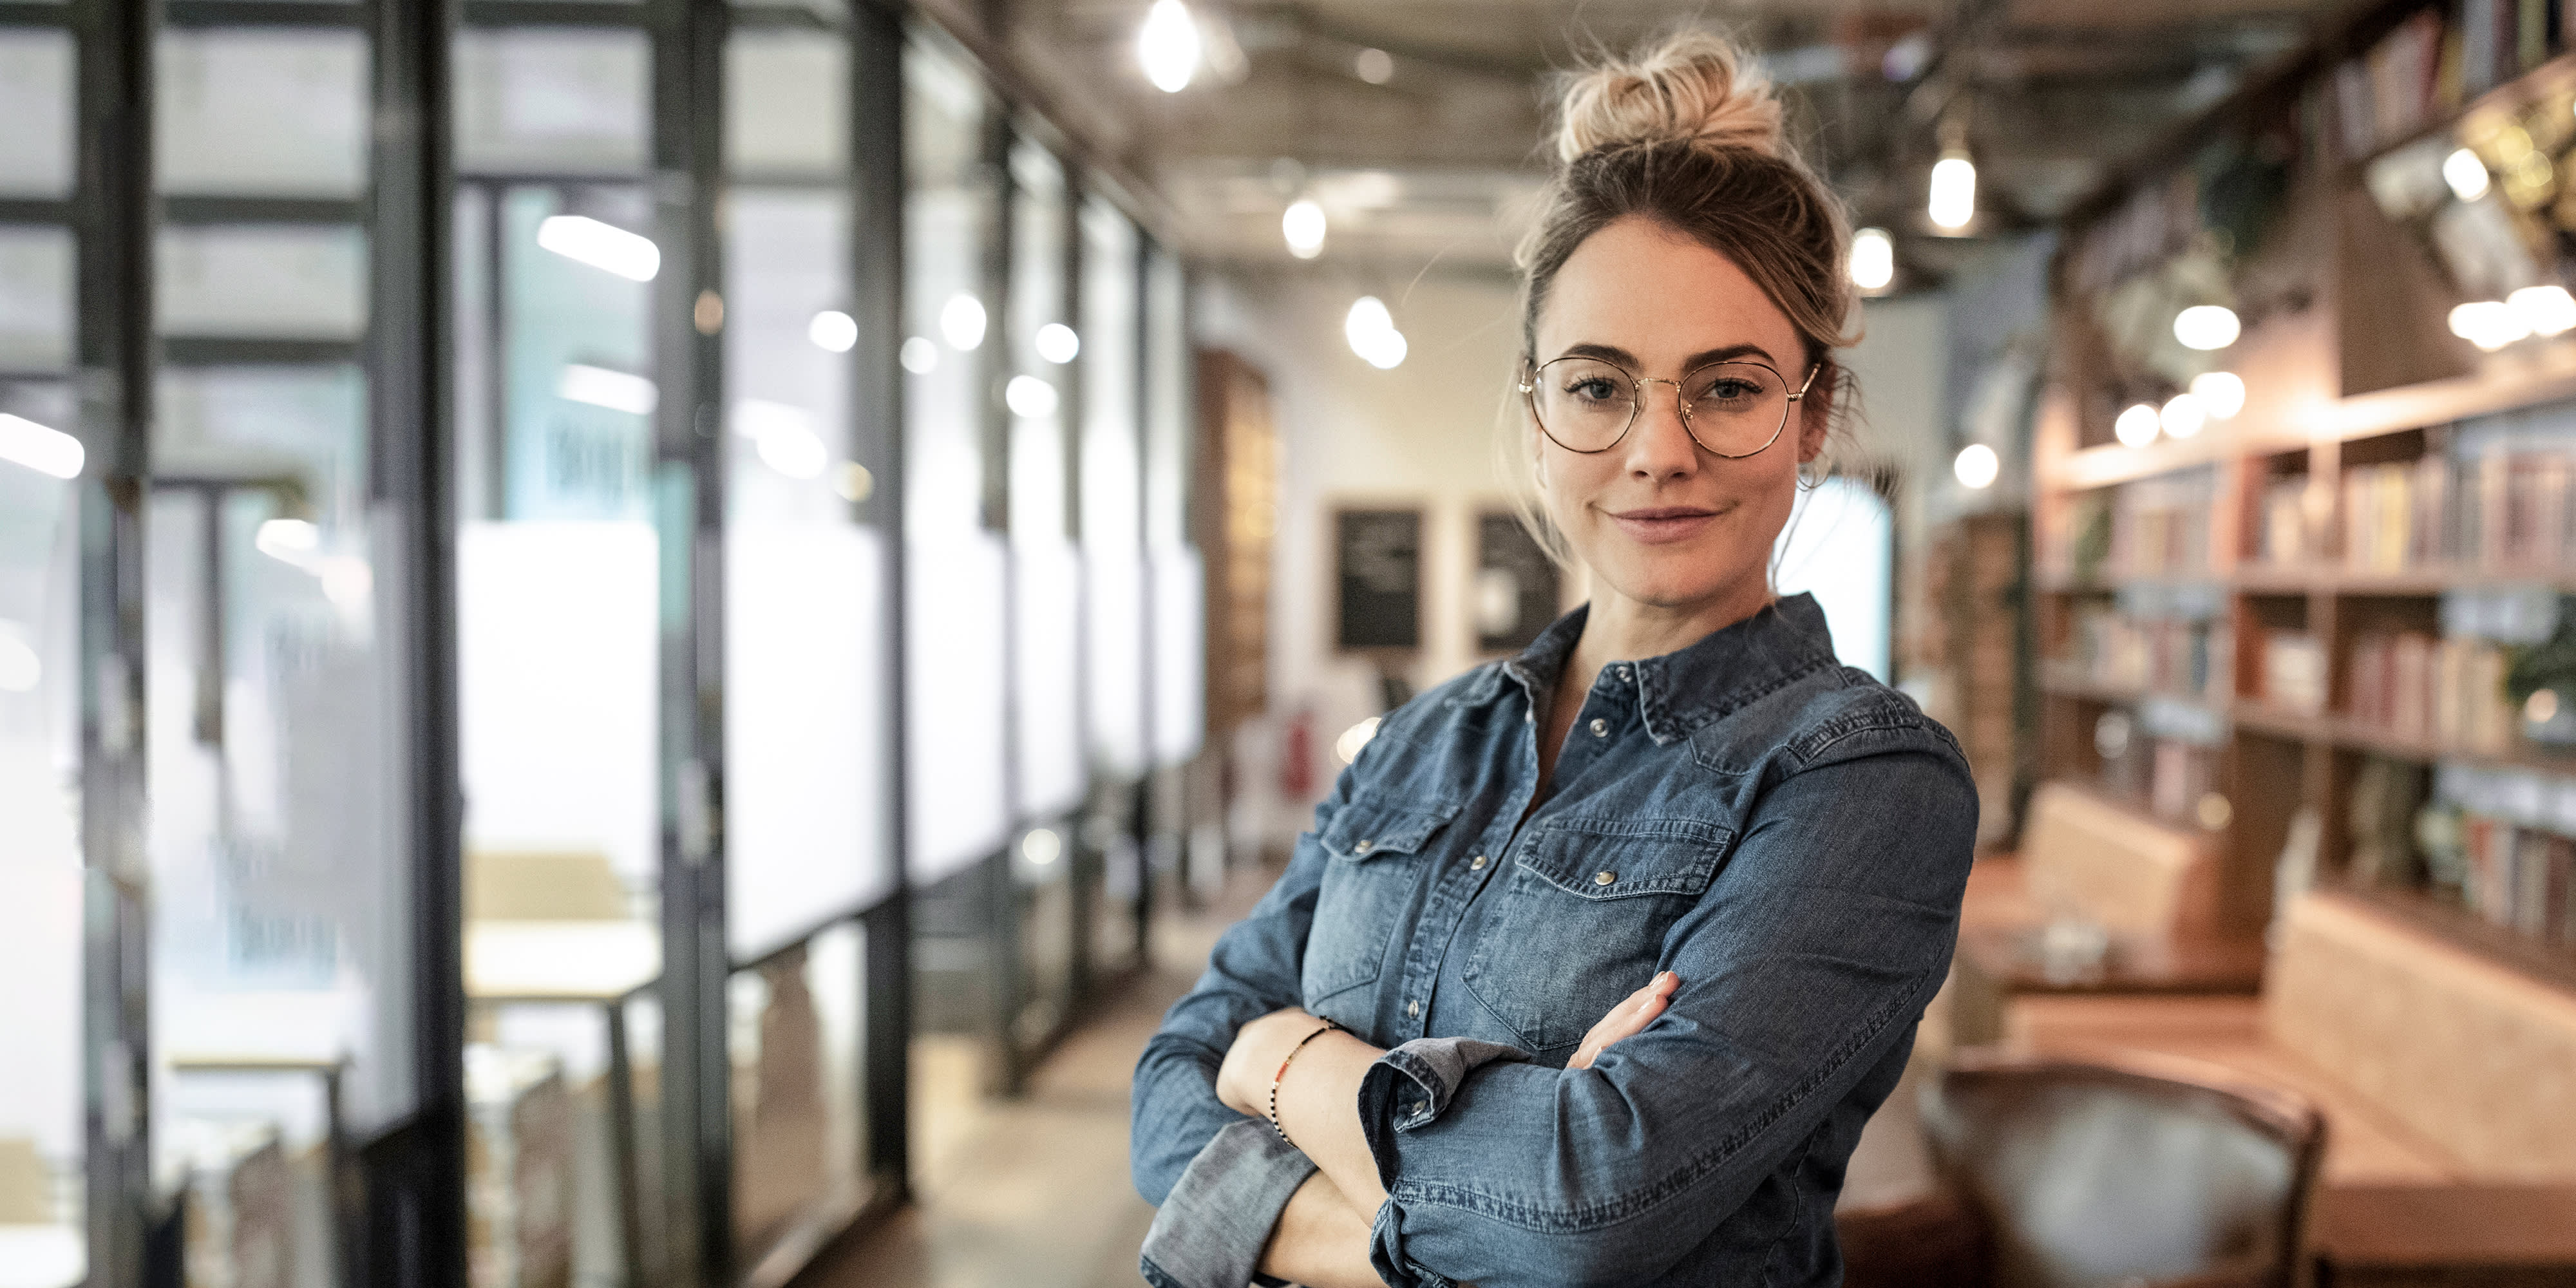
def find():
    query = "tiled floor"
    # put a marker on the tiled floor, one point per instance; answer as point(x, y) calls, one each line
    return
point(1033, 1193)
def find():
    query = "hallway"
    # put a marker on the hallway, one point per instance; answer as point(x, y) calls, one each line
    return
point(1020, 1193)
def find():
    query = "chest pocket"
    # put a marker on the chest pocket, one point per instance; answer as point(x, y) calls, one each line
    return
point(1375, 850)
point(1579, 921)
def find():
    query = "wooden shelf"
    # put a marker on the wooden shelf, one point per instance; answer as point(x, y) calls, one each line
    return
point(2342, 732)
point(2325, 579)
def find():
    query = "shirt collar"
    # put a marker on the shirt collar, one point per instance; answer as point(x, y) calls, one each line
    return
point(1682, 690)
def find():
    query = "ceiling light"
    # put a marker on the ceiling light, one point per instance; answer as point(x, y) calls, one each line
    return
point(961, 322)
point(1029, 397)
point(2546, 310)
point(2206, 327)
point(834, 330)
point(2183, 416)
point(784, 436)
point(606, 247)
point(289, 540)
point(1370, 329)
point(614, 390)
point(40, 448)
point(2221, 393)
point(1873, 259)
point(1376, 66)
point(1041, 847)
point(1168, 46)
point(1977, 465)
point(1057, 343)
point(2137, 425)
point(1954, 191)
point(919, 355)
point(2466, 174)
point(2488, 324)
point(1303, 226)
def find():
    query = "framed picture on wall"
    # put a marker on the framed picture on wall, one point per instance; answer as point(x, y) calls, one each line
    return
point(1377, 579)
point(1517, 587)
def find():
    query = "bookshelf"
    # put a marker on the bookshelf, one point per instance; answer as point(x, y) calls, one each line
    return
point(2328, 624)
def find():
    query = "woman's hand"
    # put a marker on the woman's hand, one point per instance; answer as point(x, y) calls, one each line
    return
point(1635, 1012)
point(1243, 1081)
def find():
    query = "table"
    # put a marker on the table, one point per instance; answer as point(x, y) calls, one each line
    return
point(2456, 1236)
point(43, 1256)
point(579, 963)
point(1997, 962)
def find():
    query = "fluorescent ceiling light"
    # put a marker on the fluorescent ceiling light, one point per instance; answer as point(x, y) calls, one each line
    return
point(1030, 397)
point(614, 390)
point(2466, 174)
point(1168, 46)
point(919, 355)
point(40, 448)
point(2545, 310)
point(2488, 324)
point(784, 436)
point(2183, 416)
point(606, 247)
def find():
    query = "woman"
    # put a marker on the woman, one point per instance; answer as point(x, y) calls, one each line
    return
point(1598, 958)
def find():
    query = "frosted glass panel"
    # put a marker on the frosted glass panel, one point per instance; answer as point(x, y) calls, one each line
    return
point(36, 100)
point(260, 422)
point(551, 101)
point(787, 103)
point(557, 644)
point(959, 813)
point(35, 298)
point(40, 871)
point(262, 111)
point(579, 396)
point(1048, 580)
point(294, 281)
point(1839, 546)
point(1112, 531)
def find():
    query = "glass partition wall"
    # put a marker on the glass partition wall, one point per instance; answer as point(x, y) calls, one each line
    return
point(565, 501)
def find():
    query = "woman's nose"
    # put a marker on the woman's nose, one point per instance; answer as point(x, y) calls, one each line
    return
point(1659, 444)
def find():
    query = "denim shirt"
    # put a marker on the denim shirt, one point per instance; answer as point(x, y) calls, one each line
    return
point(1788, 836)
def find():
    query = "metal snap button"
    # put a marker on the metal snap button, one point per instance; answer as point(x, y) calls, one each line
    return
point(1622, 671)
point(1604, 878)
point(1476, 864)
point(1600, 727)
point(1413, 1008)
point(1364, 846)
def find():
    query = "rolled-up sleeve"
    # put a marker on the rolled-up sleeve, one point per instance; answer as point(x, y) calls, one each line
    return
point(1811, 956)
point(1214, 1224)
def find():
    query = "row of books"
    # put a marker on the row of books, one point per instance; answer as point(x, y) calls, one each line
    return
point(2170, 776)
point(2161, 527)
point(2435, 61)
point(2497, 513)
point(2449, 691)
point(2519, 877)
point(2177, 656)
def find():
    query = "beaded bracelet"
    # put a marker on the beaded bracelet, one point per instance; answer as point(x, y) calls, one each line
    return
point(1275, 1079)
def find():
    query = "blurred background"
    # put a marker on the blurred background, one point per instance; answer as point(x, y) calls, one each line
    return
point(639, 639)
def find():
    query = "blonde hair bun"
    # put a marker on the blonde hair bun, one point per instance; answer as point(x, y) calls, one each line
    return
point(1696, 87)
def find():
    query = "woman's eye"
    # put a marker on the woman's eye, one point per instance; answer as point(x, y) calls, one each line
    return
point(1729, 391)
point(1593, 390)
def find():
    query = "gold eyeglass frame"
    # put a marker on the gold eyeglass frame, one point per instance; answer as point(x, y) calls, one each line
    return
point(1637, 407)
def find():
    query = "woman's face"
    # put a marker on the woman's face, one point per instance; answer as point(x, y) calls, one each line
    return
point(1657, 518)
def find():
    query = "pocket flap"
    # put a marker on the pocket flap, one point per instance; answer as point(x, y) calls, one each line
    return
point(1615, 858)
point(1365, 829)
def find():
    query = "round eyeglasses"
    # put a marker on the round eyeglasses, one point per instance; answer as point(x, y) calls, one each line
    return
point(1733, 408)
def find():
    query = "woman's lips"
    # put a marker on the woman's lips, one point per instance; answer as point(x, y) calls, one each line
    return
point(1659, 525)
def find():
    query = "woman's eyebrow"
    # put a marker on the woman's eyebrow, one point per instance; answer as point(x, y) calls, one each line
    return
point(1613, 353)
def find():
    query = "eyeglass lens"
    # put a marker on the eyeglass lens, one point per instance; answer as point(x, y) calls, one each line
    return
point(1730, 408)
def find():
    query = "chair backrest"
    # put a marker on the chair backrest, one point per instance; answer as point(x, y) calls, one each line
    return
point(26, 1187)
point(2084, 855)
point(543, 885)
point(2128, 1169)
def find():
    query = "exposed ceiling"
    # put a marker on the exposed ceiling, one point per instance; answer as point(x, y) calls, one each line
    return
point(1428, 165)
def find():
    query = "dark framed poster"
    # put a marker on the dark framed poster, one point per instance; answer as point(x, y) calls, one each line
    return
point(1517, 585)
point(1377, 577)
